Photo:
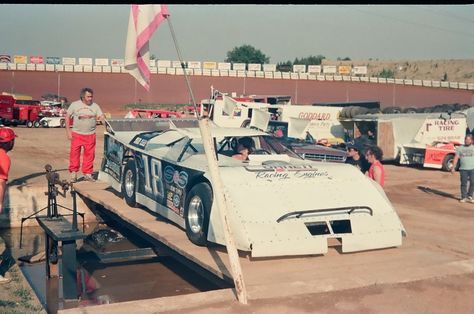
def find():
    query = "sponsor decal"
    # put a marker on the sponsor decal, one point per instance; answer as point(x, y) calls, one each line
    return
point(270, 172)
point(180, 178)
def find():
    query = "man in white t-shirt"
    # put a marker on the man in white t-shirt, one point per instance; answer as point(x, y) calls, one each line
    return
point(465, 156)
point(85, 114)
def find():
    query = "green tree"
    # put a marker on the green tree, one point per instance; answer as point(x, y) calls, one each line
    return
point(246, 54)
point(286, 66)
point(311, 60)
point(343, 59)
point(386, 73)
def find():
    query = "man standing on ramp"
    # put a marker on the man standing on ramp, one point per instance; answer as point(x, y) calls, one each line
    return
point(85, 113)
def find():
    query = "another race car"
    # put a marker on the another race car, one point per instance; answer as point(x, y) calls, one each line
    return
point(305, 148)
point(279, 203)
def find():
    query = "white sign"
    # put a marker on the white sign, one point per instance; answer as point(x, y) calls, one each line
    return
point(164, 63)
point(102, 61)
point(269, 67)
point(314, 69)
point(360, 70)
point(238, 66)
point(255, 67)
point(69, 61)
point(223, 66)
point(85, 61)
point(329, 69)
point(299, 68)
point(194, 64)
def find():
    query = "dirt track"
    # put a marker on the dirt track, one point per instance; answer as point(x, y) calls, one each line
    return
point(425, 200)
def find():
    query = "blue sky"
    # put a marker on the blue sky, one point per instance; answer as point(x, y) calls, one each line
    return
point(282, 32)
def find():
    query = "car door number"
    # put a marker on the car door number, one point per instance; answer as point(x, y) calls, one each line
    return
point(153, 176)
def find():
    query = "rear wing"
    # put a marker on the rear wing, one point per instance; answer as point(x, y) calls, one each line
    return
point(147, 125)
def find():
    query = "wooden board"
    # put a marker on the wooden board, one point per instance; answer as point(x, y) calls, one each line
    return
point(282, 277)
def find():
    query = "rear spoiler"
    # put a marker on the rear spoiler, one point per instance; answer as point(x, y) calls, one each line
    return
point(147, 125)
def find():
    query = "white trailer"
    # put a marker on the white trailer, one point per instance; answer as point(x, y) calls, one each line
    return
point(427, 139)
point(233, 111)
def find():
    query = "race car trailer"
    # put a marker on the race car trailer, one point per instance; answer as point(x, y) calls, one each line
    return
point(427, 139)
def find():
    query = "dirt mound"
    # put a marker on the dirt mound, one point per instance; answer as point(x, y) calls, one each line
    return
point(435, 70)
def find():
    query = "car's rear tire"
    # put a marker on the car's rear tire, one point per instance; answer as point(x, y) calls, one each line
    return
point(36, 124)
point(197, 213)
point(62, 123)
point(44, 124)
point(129, 183)
point(29, 124)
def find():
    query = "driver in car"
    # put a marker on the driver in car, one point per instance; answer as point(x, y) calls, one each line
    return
point(245, 146)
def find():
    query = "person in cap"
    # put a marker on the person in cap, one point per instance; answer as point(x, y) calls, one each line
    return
point(7, 141)
point(356, 158)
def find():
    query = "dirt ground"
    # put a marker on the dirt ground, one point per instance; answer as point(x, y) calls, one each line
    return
point(426, 201)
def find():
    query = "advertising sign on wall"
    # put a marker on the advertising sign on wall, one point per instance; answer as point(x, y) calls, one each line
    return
point(238, 66)
point(223, 66)
point(53, 60)
point(194, 64)
point(344, 69)
point(36, 59)
point(329, 69)
point(360, 70)
point(164, 63)
point(20, 59)
point(299, 68)
point(254, 67)
point(69, 61)
point(315, 69)
point(117, 62)
point(209, 65)
point(5, 59)
point(85, 61)
point(269, 67)
point(101, 61)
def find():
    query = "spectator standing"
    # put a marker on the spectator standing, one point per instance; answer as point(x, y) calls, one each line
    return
point(355, 158)
point(7, 141)
point(465, 155)
point(85, 113)
point(376, 172)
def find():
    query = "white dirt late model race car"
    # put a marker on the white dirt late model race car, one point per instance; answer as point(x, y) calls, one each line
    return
point(280, 204)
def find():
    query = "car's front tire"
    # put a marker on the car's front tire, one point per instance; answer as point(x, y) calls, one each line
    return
point(129, 183)
point(197, 213)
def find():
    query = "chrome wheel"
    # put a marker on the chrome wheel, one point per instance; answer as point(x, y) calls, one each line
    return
point(195, 214)
point(129, 183)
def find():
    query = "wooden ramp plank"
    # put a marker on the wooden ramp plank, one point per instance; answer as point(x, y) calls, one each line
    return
point(282, 277)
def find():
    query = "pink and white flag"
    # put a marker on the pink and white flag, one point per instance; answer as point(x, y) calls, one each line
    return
point(144, 20)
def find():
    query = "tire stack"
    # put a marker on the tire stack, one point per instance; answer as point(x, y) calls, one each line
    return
point(352, 111)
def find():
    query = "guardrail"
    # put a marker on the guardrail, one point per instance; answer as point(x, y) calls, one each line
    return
point(235, 73)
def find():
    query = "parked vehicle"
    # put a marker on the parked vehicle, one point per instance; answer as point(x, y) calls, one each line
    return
point(306, 148)
point(427, 139)
point(280, 204)
point(22, 112)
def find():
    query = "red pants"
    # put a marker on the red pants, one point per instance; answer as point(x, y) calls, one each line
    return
point(77, 142)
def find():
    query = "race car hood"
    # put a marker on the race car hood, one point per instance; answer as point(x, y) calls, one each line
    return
point(292, 209)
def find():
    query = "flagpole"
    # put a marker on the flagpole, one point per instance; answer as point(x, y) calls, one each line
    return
point(168, 18)
point(219, 193)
